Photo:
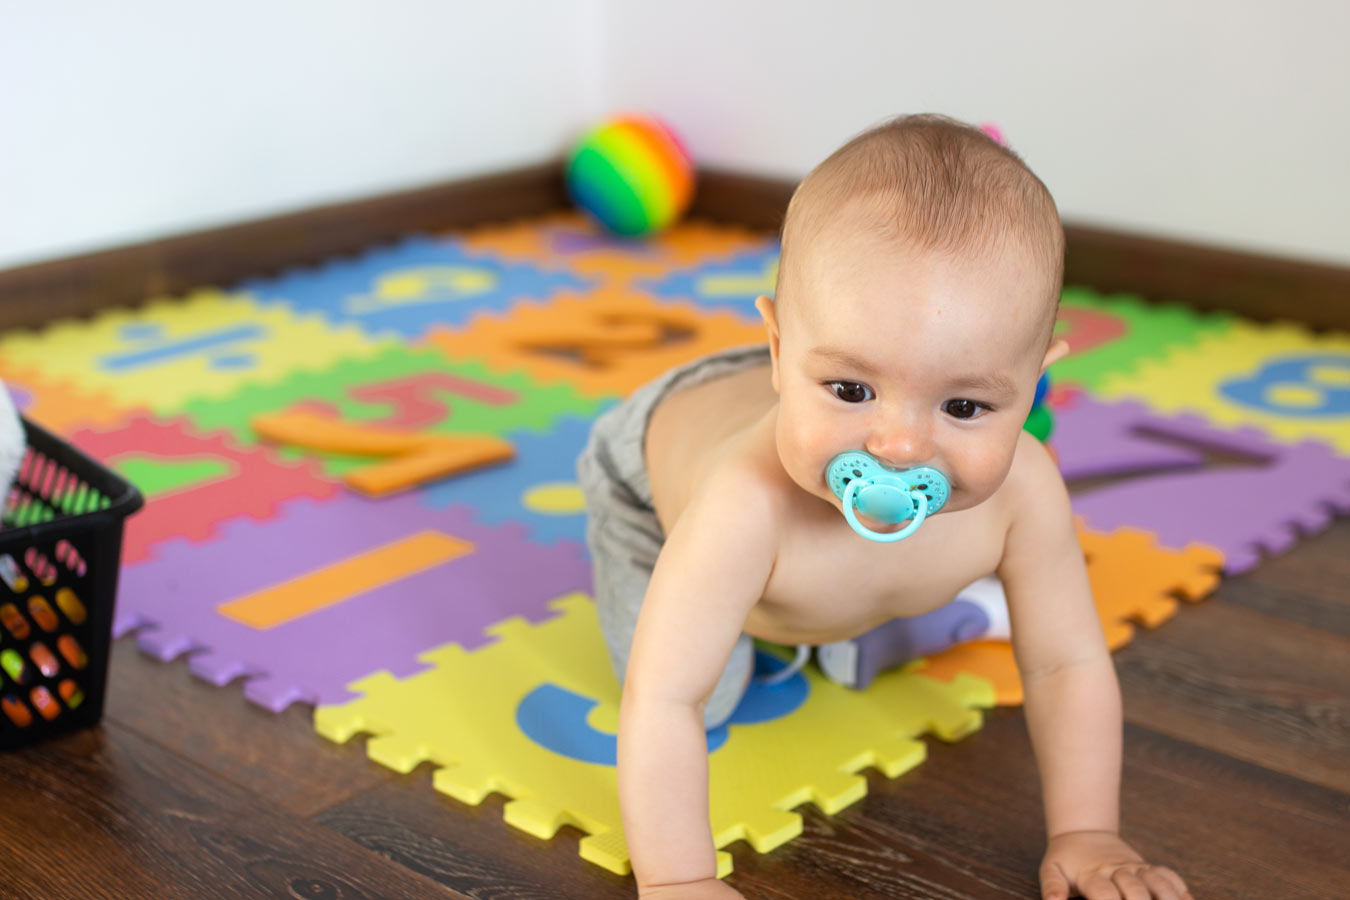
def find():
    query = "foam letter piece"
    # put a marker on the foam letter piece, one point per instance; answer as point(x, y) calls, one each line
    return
point(1133, 580)
point(1281, 378)
point(464, 714)
point(164, 355)
point(729, 284)
point(229, 482)
point(414, 458)
point(1094, 439)
point(1109, 335)
point(610, 342)
point(402, 388)
point(407, 287)
point(538, 488)
point(1260, 503)
point(312, 657)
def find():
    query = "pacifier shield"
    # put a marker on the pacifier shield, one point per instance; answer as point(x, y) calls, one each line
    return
point(891, 490)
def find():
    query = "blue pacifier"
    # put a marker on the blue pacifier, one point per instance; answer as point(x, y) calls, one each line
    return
point(885, 494)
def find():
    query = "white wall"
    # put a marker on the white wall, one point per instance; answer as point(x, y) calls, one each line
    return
point(125, 121)
point(1206, 120)
point(1218, 122)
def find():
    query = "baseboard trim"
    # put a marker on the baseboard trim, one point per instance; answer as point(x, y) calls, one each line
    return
point(1260, 287)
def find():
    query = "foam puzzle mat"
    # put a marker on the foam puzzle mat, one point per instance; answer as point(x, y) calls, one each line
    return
point(451, 622)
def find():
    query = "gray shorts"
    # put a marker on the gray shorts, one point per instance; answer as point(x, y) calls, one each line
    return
point(622, 530)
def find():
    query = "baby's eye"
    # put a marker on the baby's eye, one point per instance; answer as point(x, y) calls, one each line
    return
point(964, 409)
point(850, 391)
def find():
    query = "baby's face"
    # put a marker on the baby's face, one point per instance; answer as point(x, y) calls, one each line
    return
point(917, 358)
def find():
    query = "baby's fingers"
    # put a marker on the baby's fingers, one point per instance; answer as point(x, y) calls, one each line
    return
point(1166, 884)
point(1054, 886)
point(1130, 885)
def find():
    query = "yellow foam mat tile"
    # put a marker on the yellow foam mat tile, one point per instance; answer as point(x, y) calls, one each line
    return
point(60, 407)
point(573, 242)
point(1282, 378)
point(1133, 579)
point(465, 714)
point(171, 351)
point(611, 341)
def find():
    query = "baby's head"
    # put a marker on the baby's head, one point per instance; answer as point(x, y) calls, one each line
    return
point(915, 304)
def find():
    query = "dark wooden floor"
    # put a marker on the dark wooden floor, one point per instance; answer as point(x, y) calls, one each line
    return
point(1237, 772)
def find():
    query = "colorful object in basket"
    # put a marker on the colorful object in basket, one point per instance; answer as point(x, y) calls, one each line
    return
point(58, 575)
point(632, 174)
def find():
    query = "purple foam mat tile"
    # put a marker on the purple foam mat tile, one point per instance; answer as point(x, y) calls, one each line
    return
point(1093, 438)
point(1261, 503)
point(174, 597)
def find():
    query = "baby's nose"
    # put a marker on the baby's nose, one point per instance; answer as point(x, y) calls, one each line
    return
point(901, 448)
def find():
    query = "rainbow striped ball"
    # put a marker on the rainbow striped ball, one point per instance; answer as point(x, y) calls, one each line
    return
point(632, 174)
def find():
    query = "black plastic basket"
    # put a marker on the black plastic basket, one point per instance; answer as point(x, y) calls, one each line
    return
point(60, 552)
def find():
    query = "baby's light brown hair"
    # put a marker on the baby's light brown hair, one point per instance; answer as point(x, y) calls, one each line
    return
point(935, 184)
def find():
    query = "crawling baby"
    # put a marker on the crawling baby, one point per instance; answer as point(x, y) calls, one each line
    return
point(913, 316)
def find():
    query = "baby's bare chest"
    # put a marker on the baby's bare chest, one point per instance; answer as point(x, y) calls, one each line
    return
point(828, 583)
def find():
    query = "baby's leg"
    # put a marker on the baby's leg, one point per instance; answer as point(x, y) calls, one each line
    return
point(979, 611)
point(625, 538)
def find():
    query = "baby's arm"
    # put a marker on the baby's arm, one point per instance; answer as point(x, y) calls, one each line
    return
point(711, 571)
point(1072, 697)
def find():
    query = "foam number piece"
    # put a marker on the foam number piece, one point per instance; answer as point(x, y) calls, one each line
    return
point(1291, 383)
point(166, 354)
point(417, 588)
point(1257, 497)
point(194, 482)
point(729, 284)
point(558, 720)
point(1109, 335)
point(538, 488)
point(572, 242)
point(401, 389)
point(608, 343)
point(405, 288)
point(1133, 579)
point(1094, 439)
point(805, 743)
point(413, 459)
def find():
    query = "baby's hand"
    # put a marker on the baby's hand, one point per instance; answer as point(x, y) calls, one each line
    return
point(707, 889)
point(1098, 865)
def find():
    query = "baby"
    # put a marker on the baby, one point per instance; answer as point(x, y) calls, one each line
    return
point(913, 315)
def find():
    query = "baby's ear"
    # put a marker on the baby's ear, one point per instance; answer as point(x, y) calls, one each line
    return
point(769, 313)
point(1054, 353)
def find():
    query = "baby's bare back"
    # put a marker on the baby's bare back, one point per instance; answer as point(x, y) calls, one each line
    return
point(828, 583)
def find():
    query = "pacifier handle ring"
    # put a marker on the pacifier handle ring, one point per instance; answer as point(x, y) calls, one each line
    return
point(878, 536)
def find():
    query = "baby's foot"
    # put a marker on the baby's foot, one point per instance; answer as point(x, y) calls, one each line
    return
point(980, 611)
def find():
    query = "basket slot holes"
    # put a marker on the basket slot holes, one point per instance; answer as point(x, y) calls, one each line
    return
point(16, 711)
point(12, 575)
point(72, 651)
point(13, 621)
point(40, 611)
point(44, 702)
point(71, 693)
point(70, 604)
point(44, 659)
point(68, 556)
point(41, 566)
point(14, 666)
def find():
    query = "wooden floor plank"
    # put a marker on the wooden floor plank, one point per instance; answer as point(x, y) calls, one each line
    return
point(1257, 688)
point(278, 756)
point(1310, 586)
point(107, 815)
